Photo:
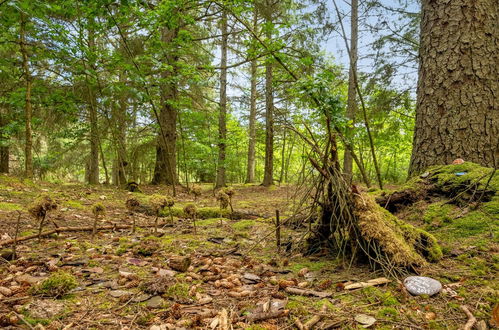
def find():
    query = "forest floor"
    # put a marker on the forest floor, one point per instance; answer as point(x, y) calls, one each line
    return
point(236, 278)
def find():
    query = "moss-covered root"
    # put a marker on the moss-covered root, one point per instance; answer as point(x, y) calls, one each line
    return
point(391, 240)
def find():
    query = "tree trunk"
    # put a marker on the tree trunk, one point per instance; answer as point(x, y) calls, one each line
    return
point(268, 179)
point(250, 169)
point(456, 111)
point(119, 116)
point(352, 100)
point(4, 143)
point(28, 112)
point(93, 168)
point(165, 170)
point(222, 117)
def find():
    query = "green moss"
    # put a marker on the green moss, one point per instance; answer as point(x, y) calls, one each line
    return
point(299, 305)
point(376, 295)
point(4, 206)
point(243, 225)
point(202, 213)
point(446, 176)
point(57, 285)
point(438, 213)
point(388, 313)
point(73, 204)
point(211, 212)
point(35, 321)
point(178, 290)
point(313, 265)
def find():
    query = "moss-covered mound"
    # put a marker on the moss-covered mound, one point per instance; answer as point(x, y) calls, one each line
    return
point(391, 240)
point(458, 203)
point(461, 184)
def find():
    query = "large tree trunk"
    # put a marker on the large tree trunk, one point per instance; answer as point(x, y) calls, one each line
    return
point(352, 76)
point(165, 170)
point(250, 169)
point(28, 112)
point(4, 142)
point(457, 114)
point(119, 117)
point(222, 117)
point(93, 168)
point(268, 179)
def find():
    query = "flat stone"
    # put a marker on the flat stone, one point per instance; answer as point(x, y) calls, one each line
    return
point(155, 302)
point(419, 285)
point(26, 278)
point(141, 297)
point(249, 277)
point(166, 272)
point(119, 293)
point(365, 320)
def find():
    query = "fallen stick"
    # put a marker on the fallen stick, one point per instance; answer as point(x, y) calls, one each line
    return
point(66, 229)
point(316, 319)
point(267, 316)
point(373, 282)
point(313, 293)
point(471, 319)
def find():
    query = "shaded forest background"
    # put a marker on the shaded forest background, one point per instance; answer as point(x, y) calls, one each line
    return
point(204, 91)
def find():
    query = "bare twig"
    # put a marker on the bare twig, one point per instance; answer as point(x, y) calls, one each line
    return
point(471, 319)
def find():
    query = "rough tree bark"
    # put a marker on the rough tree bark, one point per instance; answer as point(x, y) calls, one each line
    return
point(352, 75)
point(222, 116)
point(457, 113)
point(4, 142)
point(250, 170)
point(93, 163)
point(165, 170)
point(268, 179)
point(28, 112)
point(119, 116)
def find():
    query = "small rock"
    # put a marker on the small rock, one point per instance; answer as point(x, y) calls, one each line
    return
point(119, 293)
point(141, 297)
point(251, 278)
point(95, 270)
point(419, 285)
point(365, 320)
point(5, 291)
point(126, 274)
point(424, 175)
point(166, 272)
point(179, 263)
point(26, 278)
point(155, 302)
point(102, 197)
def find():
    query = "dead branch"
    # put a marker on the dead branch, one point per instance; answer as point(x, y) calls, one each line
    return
point(66, 229)
point(302, 292)
point(471, 319)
